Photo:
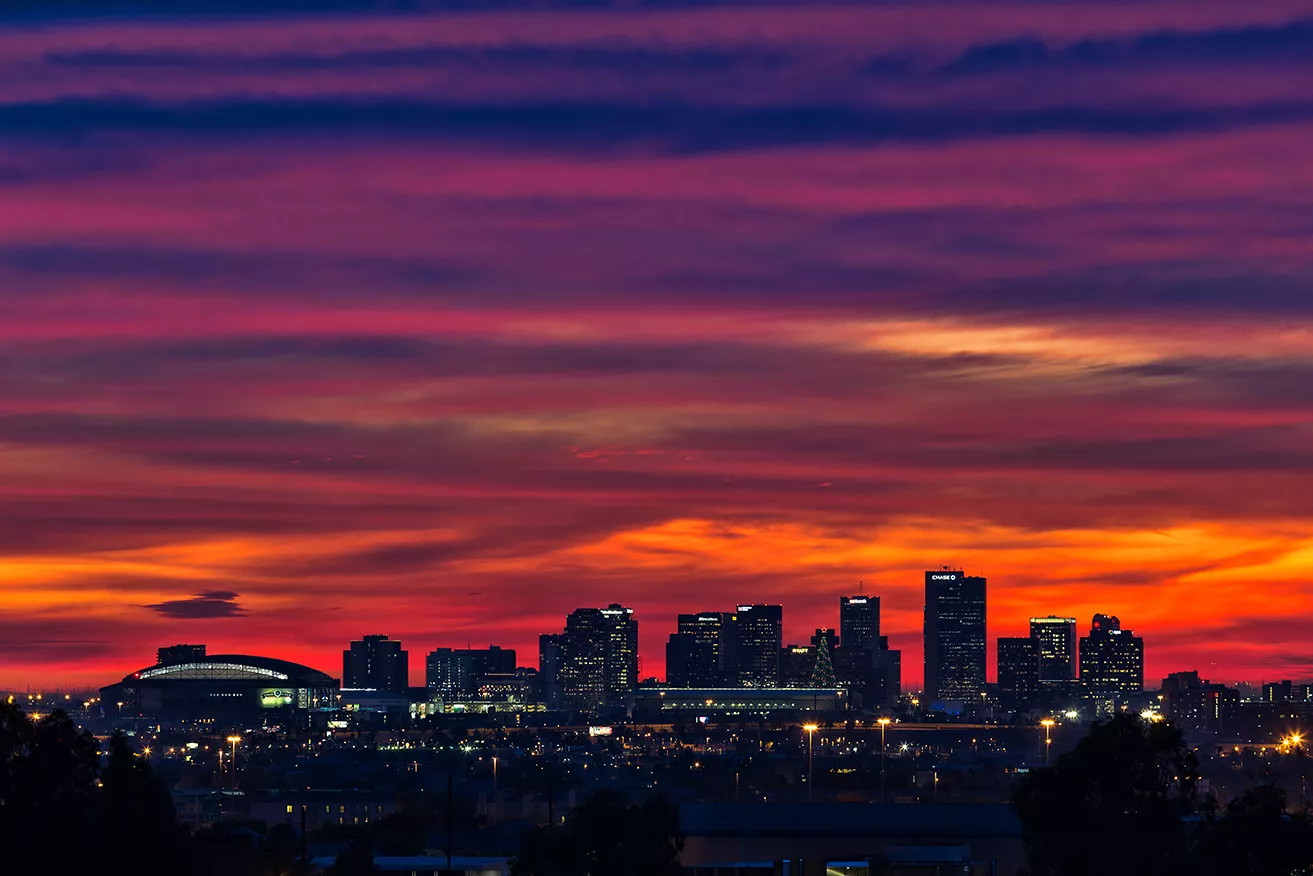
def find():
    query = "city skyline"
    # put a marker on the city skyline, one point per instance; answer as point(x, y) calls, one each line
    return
point(433, 323)
point(364, 667)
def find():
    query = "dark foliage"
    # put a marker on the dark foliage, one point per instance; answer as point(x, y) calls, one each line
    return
point(1256, 836)
point(1122, 799)
point(605, 835)
point(356, 859)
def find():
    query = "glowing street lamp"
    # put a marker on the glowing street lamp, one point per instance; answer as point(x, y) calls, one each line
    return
point(884, 723)
point(1047, 724)
point(811, 735)
point(232, 761)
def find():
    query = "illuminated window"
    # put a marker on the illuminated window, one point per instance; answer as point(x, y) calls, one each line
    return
point(341, 809)
point(289, 808)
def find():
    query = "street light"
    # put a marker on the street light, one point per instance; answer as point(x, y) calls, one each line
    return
point(811, 735)
point(883, 722)
point(1047, 724)
point(232, 761)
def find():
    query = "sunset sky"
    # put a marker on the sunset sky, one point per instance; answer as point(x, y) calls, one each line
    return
point(440, 324)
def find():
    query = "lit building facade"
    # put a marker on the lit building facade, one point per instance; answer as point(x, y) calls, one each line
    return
point(457, 674)
point(758, 637)
point(1056, 639)
point(715, 630)
point(954, 635)
point(859, 622)
point(593, 664)
point(1111, 659)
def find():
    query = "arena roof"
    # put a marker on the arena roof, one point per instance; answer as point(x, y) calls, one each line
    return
point(234, 667)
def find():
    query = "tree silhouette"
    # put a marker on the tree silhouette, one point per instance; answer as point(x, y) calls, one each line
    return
point(48, 794)
point(1255, 836)
point(1119, 800)
point(604, 835)
point(137, 821)
point(356, 859)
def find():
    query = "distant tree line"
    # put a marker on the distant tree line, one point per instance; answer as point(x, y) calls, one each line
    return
point(1126, 801)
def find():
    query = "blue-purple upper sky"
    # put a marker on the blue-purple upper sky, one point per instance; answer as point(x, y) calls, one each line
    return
point(319, 319)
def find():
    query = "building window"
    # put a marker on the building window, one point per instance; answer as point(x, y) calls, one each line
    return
point(341, 809)
point(289, 808)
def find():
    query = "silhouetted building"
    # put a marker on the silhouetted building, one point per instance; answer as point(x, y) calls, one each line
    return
point(593, 664)
point(376, 663)
point(1056, 639)
point(1018, 671)
point(797, 663)
point(179, 654)
point(716, 630)
point(1277, 691)
point(690, 662)
point(758, 637)
point(1197, 704)
point(954, 635)
point(859, 622)
point(884, 677)
point(1286, 691)
point(457, 674)
point(1111, 659)
point(551, 656)
point(863, 662)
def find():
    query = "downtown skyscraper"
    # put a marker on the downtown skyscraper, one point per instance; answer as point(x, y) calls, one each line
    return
point(758, 638)
point(593, 664)
point(954, 635)
point(1056, 639)
point(1111, 659)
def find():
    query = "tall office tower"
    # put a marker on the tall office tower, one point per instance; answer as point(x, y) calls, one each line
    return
point(598, 658)
point(954, 635)
point(376, 663)
point(758, 636)
point(179, 654)
point(859, 622)
point(714, 628)
point(1018, 671)
point(1056, 638)
point(621, 654)
point(459, 673)
point(690, 662)
point(1111, 659)
point(583, 660)
point(551, 656)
